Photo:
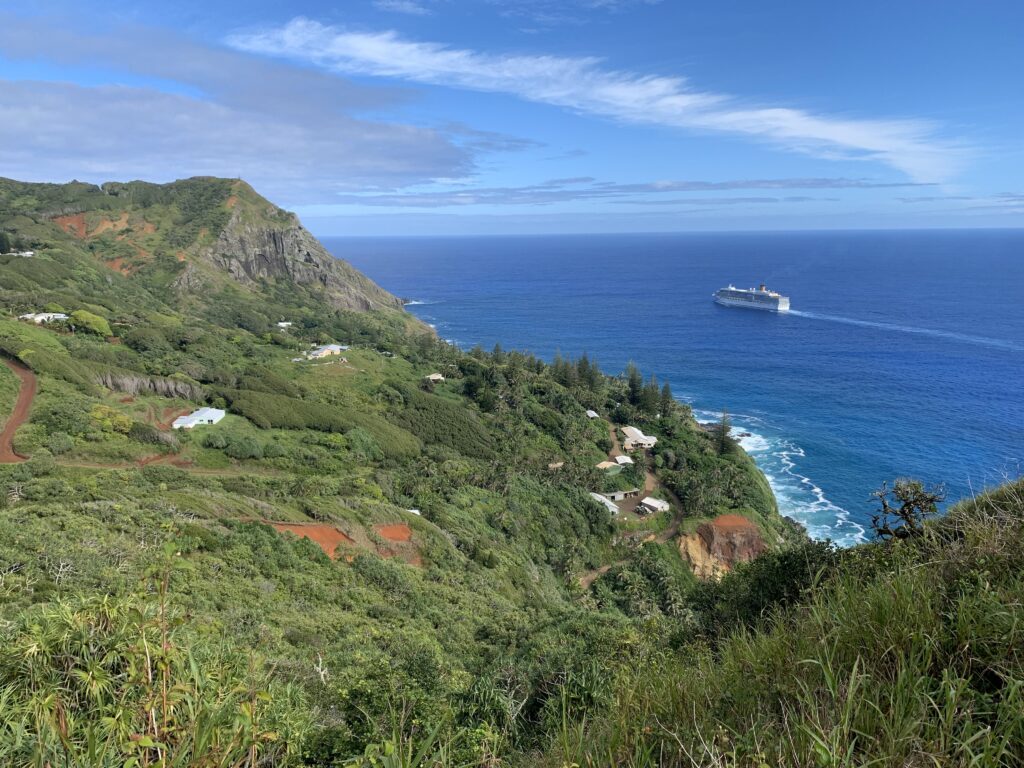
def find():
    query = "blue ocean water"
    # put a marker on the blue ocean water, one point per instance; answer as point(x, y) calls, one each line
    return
point(904, 355)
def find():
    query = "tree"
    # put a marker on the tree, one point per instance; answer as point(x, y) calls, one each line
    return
point(667, 401)
point(85, 320)
point(722, 434)
point(635, 383)
point(5, 242)
point(904, 508)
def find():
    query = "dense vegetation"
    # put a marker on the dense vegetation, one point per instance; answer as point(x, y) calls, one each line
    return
point(157, 608)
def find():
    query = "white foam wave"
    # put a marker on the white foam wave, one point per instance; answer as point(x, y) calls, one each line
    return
point(933, 332)
point(418, 303)
point(797, 495)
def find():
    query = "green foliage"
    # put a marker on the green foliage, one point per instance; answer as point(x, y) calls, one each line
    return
point(103, 682)
point(85, 320)
point(885, 653)
point(439, 421)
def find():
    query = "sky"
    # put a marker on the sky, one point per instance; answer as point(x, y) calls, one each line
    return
point(451, 117)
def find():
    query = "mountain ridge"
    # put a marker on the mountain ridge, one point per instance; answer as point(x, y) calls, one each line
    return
point(188, 235)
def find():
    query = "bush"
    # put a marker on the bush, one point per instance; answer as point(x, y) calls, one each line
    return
point(60, 443)
point(83, 319)
point(244, 448)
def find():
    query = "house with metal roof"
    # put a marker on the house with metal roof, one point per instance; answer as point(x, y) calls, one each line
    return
point(197, 418)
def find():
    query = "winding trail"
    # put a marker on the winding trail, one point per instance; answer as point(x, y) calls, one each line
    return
point(22, 406)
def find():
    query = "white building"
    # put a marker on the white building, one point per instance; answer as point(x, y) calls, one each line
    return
point(593, 415)
point(43, 317)
point(284, 324)
point(622, 495)
point(622, 460)
point(325, 350)
point(202, 416)
point(637, 439)
point(604, 502)
point(434, 378)
point(650, 504)
point(606, 465)
point(414, 512)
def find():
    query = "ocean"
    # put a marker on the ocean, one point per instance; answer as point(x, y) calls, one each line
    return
point(903, 357)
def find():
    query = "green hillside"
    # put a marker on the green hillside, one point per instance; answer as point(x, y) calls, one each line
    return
point(362, 564)
point(259, 587)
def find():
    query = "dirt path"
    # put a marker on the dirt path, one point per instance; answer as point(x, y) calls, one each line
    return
point(26, 394)
point(616, 446)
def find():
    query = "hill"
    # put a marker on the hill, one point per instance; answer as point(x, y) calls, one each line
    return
point(356, 548)
point(194, 241)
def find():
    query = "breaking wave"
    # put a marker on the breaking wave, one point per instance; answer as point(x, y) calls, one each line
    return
point(797, 495)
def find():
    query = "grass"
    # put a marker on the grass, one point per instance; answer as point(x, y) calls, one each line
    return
point(908, 654)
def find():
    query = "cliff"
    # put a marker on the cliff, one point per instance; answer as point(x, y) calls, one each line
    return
point(717, 546)
point(262, 243)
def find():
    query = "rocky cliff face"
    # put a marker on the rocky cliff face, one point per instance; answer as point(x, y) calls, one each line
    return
point(715, 547)
point(253, 250)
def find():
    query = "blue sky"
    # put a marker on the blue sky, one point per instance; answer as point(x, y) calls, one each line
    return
point(535, 116)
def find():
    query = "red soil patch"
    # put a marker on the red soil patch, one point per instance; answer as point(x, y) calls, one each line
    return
point(232, 202)
point(111, 225)
point(394, 532)
point(73, 224)
point(180, 255)
point(118, 265)
point(127, 400)
point(327, 537)
point(733, 523)
point(148, 228)
point(26, 394)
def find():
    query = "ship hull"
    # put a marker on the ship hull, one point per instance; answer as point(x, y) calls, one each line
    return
point(779, 306)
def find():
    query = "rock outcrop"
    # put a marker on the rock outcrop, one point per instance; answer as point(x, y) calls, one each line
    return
point(715, 547)
point(256, 249)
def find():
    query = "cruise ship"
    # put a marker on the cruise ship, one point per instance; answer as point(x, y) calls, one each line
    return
point(752, 298)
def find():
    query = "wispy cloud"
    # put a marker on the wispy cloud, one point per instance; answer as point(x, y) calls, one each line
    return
point(403, 6)
point(585, 188)
point(204, 109)
point(587, 86)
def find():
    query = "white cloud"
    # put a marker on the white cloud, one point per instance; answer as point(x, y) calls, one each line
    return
point(60, 131)
point(586, 86)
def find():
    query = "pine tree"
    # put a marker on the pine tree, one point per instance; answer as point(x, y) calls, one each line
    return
point(722, 433)
point(635, 383)
point(667, 401)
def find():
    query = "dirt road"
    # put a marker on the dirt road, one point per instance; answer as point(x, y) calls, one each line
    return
point(26, 394)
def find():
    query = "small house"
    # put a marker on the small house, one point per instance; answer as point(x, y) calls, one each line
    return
point(649, 504)
point(593, 415)
point(284, 324)
point(414, 512)
point(197, 418)
point(622, 495)
point(434, 378)
point(606, 465)
point(604, 502)
point(325, 350)
point(554, 466)
point(637, 439)
point(43, 317)
point(623, 460)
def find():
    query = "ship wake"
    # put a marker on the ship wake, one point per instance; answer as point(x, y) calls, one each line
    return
point(933, 332)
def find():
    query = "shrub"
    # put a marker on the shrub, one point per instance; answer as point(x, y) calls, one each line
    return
point(59, 443)
point(83, 319)
point(244, 448)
